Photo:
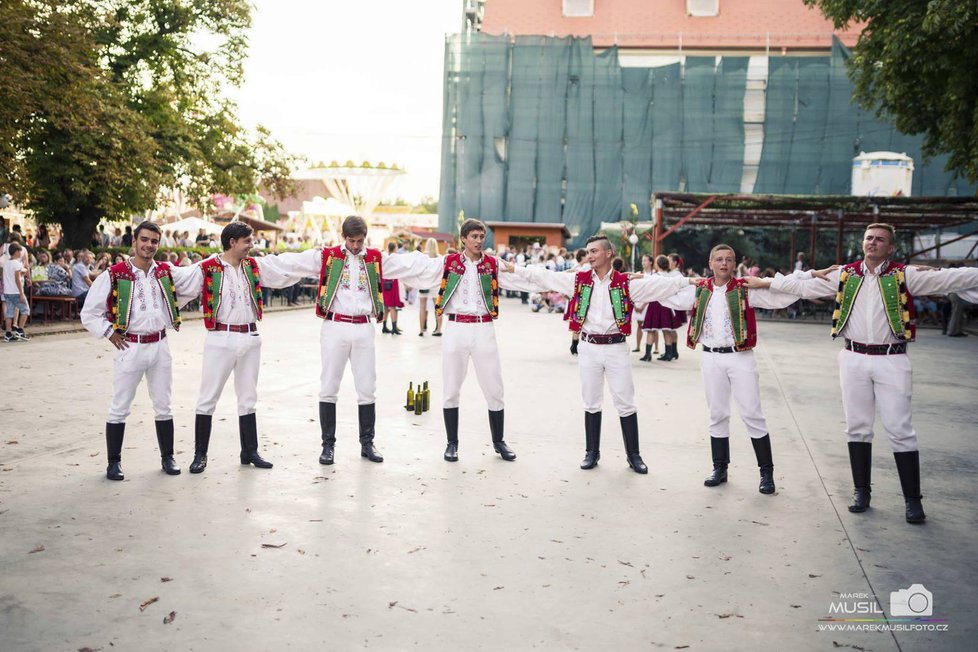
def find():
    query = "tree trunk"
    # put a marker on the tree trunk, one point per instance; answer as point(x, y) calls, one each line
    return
point(77, 229)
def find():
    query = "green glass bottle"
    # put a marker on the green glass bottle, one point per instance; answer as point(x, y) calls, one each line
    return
point(409, 405)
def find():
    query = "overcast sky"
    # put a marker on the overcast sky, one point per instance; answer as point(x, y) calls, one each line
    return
point(358, 80)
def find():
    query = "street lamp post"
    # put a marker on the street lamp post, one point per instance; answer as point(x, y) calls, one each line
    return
point(633, 240)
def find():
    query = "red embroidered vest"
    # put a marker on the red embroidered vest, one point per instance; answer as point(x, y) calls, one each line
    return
point(742, 320)
point(213, 271)
point(331, 273)
point(119, 302)
point(488, 271)
point(621, 301)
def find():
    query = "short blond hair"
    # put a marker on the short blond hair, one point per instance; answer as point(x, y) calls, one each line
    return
point(722, 247)
point(886, 227)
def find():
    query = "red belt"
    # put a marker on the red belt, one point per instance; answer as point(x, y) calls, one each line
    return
point(236, 328)
point(145, 339)
point(470, 319)
point(347, 319)
point(876, 349)
point(603, 339)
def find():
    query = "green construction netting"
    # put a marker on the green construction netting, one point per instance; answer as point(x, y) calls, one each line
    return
point(542, 129)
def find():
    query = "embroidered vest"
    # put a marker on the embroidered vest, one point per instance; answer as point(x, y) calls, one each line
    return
point(213, 271)
point(488, 282)
point(119, 303)
point(621, 301)
point(897, 300)
point(331, 275)
point(742, 320)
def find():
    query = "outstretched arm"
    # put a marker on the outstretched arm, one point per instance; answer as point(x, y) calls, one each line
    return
point(414, 268)
point(187, 283)
point(804, 284)
point(541, 279)
point(304, 264)
point(656, 287)
point(941, 281)
point(277, 274)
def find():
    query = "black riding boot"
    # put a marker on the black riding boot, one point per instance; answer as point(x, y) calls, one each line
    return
point(202, 438)
point(368, 416)
point(496, 428)
point(164, 436)
point(248, 430)
point(592, 436)
point(861, 461)
point(327, 423)
point(629, 432)
point(114, 433)
point(451, 430)
point(762, 449)
point(720, 447)
point(908, 466)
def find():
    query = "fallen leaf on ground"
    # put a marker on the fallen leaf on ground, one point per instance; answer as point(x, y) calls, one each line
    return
point(143, 606)
point(166, 579)
point(37, 548)
point(274, 545)
point(167, 619)
point(12, 441)
point(496, 588)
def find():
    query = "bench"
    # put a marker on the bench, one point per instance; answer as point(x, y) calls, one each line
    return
point(66, 306)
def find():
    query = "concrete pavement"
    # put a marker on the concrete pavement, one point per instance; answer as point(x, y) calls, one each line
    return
point(416, 553)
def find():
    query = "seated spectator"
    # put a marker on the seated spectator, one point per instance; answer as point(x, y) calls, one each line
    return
point(57, 280)
point(926, 308)
point(102, 263)
point(81, 278)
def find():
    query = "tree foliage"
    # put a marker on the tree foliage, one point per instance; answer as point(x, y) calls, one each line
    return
point(915, 64)
point(109, 101)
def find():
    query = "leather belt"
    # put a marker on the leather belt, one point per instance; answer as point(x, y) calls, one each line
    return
point(236, 328)
point(603, 339)
point(876, 349)
point(470, 319)
point(719, 349)
point(145, 339)
point(348, 319)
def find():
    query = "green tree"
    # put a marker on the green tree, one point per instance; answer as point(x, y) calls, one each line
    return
point(108, 101)
point(915, 65)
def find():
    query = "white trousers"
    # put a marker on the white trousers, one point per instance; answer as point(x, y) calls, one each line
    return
point(340, 342)
point(478, 342)
point(152, 360)
point(225, 352)
point(732, 373)
point(884, 380)
point(600, 362)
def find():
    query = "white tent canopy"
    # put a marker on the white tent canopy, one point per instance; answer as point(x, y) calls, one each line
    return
point(193, 226)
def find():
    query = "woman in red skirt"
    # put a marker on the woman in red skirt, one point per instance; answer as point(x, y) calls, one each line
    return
point(392, 298)
point(658, 317)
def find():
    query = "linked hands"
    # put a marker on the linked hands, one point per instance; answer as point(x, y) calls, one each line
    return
point(824, 273)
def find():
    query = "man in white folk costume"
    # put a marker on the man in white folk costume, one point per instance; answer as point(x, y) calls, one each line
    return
point(600, 309)
point(722, 322)
point(469, 295)
point(874, 313)
point(231, 286)
point(132, 305)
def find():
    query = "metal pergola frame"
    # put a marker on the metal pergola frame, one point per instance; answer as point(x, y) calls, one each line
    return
point(838, 213)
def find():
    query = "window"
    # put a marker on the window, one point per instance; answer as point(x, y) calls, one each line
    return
point(703, 7)
point(578, 8)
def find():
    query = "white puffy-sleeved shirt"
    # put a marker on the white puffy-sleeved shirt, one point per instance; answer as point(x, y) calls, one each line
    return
point(149, 313)
point(600, 319)
point(418, 270)
point(867, 323)
point(353, 294)
point(717, 327)
point(236, 306)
